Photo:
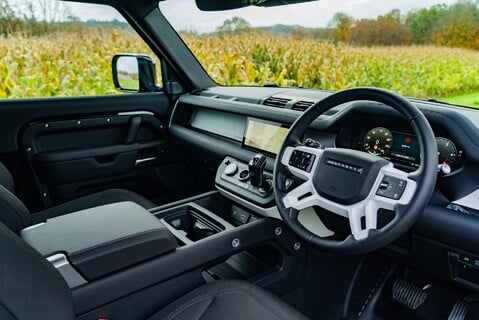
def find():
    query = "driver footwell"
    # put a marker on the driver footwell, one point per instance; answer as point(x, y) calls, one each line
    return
point(392, 291)
point(377, 287)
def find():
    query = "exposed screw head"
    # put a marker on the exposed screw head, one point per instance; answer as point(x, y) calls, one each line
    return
point(46, 125)
point(79, 122)
point(29, 149)
point(44, 194)
point(297, 246)
point(235, 243)
point(108, 120)
point(278, 231)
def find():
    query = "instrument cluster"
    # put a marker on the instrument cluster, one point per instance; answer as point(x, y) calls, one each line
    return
point(404, 148)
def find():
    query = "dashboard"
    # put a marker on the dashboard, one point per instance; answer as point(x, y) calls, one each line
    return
point(237, 122)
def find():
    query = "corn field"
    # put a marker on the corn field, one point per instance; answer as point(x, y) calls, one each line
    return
point(70, 64)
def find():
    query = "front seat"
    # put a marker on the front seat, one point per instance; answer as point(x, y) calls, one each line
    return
point(16, 216)
point(31, 288)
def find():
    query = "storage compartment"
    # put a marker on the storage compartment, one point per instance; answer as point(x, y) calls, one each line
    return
point(191, 222)
point(226, 209)
point(102, 240)
point(250, 264)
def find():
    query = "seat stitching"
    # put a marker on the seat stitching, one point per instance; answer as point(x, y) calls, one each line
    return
point(182, 308)
point(263, 303)
point(258, 299)
point(209, 304)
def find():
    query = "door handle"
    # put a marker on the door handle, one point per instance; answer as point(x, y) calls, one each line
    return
point(145, 160)
point(135, 123)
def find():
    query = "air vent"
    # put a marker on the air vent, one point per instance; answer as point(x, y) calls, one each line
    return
point(302, 105)
point(276, 102)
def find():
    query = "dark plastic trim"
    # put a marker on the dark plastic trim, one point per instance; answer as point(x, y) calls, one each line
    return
point(198, 255)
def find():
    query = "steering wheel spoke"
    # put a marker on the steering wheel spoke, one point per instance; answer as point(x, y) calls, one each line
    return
point(392, 187)
point(302, 162)
point(302, 197)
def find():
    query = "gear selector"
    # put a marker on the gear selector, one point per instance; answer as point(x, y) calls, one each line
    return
point(256, 167)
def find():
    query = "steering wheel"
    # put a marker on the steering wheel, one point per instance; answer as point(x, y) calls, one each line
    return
point(351, 183)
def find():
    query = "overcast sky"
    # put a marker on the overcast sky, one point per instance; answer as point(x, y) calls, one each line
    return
point(184, 15)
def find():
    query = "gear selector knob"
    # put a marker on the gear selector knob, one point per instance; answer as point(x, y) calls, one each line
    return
point(256, 167)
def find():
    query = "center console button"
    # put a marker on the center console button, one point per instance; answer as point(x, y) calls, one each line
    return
point(231, 169)
point(244, 175)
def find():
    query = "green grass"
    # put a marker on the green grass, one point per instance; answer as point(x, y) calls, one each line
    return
point(467, 100)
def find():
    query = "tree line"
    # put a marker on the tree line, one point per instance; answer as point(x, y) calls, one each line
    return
point(40, 17)
point(455, 25)
point(33, 17)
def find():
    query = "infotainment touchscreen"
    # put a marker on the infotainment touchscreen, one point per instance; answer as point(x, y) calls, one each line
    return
point(264, 135)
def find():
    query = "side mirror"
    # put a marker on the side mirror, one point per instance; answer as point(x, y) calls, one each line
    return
point(134, 73)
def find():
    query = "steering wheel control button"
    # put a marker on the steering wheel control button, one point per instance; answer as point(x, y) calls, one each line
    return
point(231, 169)
point(302, 160)
point(311, 143)
point(392, 188)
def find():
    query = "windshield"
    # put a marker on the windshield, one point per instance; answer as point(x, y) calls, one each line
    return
point(419, 48)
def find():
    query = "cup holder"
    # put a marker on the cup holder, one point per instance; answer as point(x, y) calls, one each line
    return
point(191, 223)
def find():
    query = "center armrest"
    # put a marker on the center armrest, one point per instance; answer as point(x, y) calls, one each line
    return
point(103, 239)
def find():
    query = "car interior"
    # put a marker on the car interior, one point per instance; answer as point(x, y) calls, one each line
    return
point(192, 200)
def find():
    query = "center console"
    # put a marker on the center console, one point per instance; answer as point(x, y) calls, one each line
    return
point(111, 252)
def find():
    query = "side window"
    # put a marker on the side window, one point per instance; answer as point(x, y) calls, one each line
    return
point(52, 48)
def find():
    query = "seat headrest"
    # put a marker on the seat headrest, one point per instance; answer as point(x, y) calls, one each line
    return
point(6, 179)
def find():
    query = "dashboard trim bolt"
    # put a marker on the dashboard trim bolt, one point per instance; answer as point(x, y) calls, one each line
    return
point(297, 246)
point(278, 231)
point(235, 243)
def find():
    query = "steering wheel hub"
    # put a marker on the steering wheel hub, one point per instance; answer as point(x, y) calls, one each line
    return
point(346, 176)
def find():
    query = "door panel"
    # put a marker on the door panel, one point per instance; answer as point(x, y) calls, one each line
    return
point(77, 146)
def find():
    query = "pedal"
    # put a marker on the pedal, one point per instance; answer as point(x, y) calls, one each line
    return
point(459, 311)
point(409, 295)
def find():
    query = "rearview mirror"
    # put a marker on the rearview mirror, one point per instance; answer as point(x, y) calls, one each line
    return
point(134, 73)
point(215, 5)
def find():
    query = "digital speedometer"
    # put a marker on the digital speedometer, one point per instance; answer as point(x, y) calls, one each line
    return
point(378, 141)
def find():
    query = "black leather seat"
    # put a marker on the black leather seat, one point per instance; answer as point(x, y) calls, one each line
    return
point(30, 288)
point(232, 300)
point(16, 216)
